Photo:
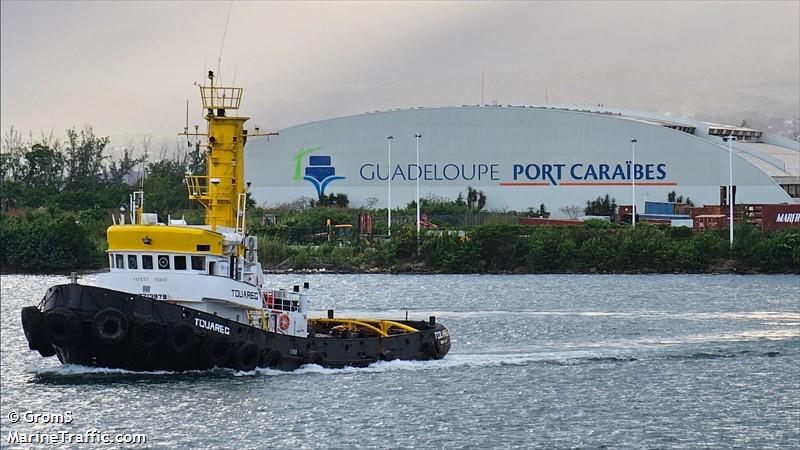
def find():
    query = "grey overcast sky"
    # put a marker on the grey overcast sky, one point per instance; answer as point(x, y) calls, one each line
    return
point(127, 68)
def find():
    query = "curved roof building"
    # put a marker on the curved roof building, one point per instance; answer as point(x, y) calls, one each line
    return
point(521, 157)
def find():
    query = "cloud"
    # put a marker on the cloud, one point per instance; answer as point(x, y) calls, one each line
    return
point(128, 68)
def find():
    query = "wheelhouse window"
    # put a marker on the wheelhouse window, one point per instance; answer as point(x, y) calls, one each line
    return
point(120, 261)
point(163, 262)
point(180, 262)
point(132, 262)
point(147, 262)
point(198, 263)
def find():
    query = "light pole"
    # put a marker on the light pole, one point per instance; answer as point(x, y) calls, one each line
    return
point(389, 179)
point(419, 172)
point(730, 140)
point(633, 182)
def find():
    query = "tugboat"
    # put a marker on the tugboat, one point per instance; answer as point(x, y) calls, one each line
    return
point(192, 297)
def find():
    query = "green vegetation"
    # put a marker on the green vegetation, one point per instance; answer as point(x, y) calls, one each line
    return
point(57, 199)
point(601, 206)
point(594, 247)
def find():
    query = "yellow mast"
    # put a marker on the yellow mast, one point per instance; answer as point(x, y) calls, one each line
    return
point(222, 190)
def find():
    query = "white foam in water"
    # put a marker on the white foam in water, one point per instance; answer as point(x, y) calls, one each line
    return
point(450, 361)
point(76, 370)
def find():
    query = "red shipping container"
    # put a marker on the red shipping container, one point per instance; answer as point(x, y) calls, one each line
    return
point(710, 222)
point(780, 217)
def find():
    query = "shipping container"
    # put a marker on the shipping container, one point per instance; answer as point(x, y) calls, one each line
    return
point(659, 208)
point(706, 210)
point(780, 217)
point(710, 222)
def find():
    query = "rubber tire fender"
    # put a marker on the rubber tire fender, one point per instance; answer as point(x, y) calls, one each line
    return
point(62, 328)
point(273, 359)
point(434, 350)
point(33, 328)
point(217, 350)
point(148, 335)
point(315, 358)
point(110, 325)
point(247, 357)
point(180, 338)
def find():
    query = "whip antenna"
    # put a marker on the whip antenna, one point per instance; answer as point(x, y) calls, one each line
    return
point(222, 44)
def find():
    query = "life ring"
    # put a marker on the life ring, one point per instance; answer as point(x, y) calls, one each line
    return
point(62, 327)
point(34, 331)
point(110, 325)
point(247, 357)
point(216, 350)
point(180, 338)
point(148, 335)
point(284, 321)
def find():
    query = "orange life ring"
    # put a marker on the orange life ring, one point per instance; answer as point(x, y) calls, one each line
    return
point(283, 321)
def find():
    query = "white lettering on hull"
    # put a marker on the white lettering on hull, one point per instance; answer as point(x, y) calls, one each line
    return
point(208, 325)
point(250, 295)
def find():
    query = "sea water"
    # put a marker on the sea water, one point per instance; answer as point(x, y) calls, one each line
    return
point(537, 361)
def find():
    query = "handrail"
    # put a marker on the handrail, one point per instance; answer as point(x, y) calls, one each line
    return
point(385, 325)
point(198, 185)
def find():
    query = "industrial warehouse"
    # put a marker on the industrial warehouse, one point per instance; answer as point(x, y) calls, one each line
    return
point(522, 157)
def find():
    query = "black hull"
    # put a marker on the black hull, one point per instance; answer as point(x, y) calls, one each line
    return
point(99, 327)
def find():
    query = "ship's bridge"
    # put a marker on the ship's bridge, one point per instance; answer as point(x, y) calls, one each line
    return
point(152, 238)
point(160, 247)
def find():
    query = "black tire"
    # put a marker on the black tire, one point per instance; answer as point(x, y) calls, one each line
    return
point(46, 350)
point(32, 326)
point(433, 350)
point(247, 357)
point(315, 358)
point(273, 359)
point(110, 325)
point(180, 338)
point(216, 350)
point(148, 335)
point(62, 328)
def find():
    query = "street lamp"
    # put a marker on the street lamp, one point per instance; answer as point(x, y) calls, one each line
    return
point(633, 182)
point(417, 136)
point(389, 179)
point(730, 140)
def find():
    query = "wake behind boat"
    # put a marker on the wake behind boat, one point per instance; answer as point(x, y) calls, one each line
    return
point(182, 297)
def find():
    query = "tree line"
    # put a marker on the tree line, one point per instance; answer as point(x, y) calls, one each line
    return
point(78, 173)
point(57, 194)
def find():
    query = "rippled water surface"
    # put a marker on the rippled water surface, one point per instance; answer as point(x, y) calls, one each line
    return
point(652, 361)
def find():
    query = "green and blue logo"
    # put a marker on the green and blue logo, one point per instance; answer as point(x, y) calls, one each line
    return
point(319, 171)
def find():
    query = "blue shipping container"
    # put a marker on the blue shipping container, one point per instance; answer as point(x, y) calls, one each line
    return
point(659, 208)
